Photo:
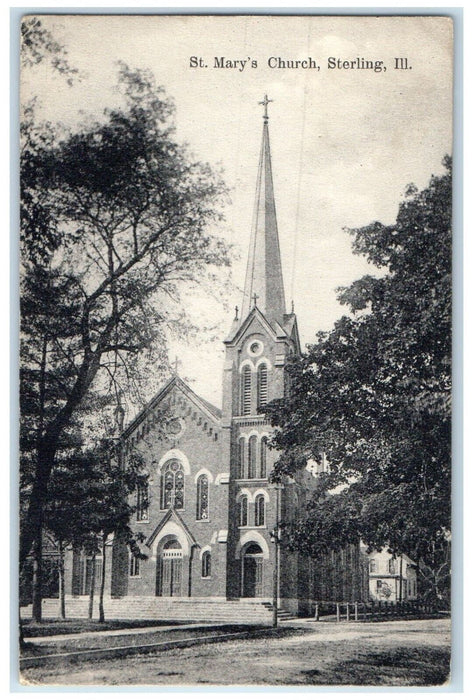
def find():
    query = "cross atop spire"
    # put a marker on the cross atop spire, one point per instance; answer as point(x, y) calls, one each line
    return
point(265, 102)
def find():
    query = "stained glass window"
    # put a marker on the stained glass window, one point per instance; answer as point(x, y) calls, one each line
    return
point(172, 485)
point(202, 498)
point(142, 500)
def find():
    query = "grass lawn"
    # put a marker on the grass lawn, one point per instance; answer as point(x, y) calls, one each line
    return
point(401, 653)
point(142, 638)
point(47, 628)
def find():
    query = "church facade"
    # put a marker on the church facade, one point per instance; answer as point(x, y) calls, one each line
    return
point(209, 514)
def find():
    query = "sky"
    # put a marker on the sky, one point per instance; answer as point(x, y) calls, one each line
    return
point(345, 142)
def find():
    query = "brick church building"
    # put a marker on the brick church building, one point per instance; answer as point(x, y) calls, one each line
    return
point(209, 513)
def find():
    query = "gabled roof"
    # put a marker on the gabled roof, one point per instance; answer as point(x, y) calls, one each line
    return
point(206, 407)
point(171, 514)
point(237, 333)
point(290, 327)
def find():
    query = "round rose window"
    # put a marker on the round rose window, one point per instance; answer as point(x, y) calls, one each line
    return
point(175, 427)
point(255, 347)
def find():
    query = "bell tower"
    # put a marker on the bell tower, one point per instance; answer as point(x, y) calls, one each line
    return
point(257, 348)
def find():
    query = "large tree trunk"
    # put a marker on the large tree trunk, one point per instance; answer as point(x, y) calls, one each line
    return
point(37, 578)
point(102, 581)
point(92, 588)
point(32, 525)
point(47, 448)
point(62, 591)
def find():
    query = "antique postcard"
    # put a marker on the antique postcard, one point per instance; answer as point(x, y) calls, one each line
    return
point(235, 350)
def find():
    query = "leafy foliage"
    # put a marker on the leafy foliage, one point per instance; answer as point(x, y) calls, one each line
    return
point(38, 44)
point(114, 220)
point(88, 496)
point(373, 395)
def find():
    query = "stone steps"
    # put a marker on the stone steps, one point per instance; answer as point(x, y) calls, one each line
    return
point(149, 608)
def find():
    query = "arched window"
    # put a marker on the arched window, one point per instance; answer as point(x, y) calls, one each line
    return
point(172, 485)
point(252, 445)
point(206, 565)
point(246, 391)
point(262, 385)
point(259, 510)
point(241, 459)
point(142, 500)
point(134, 565)
point(262, 457)
point(243, 511)
point(202, 498)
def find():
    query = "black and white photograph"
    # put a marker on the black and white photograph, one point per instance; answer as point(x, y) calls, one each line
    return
point(235, 345)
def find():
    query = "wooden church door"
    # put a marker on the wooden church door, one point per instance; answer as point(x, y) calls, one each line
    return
point(169, 582)
point(252, 584)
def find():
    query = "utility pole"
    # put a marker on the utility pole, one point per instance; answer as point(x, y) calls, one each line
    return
point(276, 538)
point(400, 579)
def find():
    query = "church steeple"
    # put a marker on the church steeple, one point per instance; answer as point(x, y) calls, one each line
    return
point(264, 283)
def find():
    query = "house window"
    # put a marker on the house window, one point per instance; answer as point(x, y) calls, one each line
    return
point(262, 385)
point(263, 455)
point(134, 565)
point(392, 566)
point(252, 445)
point(379, 585)
point(142, 501)
point(243, 512)
point(246, 391)
point(373, 566)
point(206, 564)
point(202, 498)
point(241, 459)
point(172, 485)
point(259, 510)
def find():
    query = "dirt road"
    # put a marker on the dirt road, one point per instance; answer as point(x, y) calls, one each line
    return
point(385, 653)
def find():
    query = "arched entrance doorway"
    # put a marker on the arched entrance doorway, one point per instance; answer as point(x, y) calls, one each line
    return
point(169, 570)
point(252, 571)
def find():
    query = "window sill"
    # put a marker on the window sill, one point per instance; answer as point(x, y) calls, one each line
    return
point(252, 527)
point(262, 479)
point(178, 510)
point(144, 522)
point(197, 520)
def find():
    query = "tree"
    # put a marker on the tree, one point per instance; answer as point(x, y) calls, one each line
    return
point(88, 500)
point(114, 220)
point(373, 397)
point(38, 44)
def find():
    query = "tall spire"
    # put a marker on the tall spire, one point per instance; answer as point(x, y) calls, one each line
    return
point(264, 284)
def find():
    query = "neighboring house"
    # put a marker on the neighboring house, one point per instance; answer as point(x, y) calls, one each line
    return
point(392, 578)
